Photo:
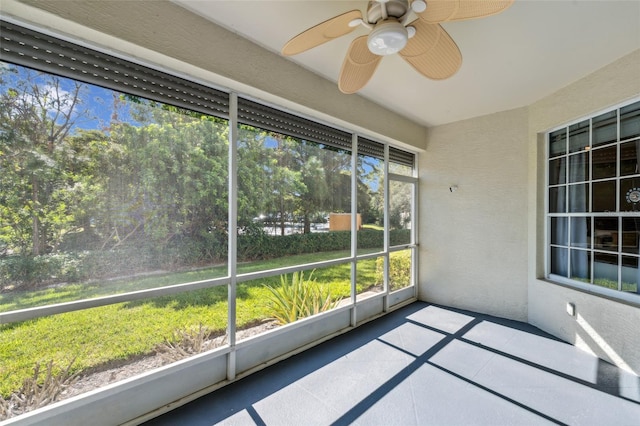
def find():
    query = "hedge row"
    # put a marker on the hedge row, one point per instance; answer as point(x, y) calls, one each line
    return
point(211, 248)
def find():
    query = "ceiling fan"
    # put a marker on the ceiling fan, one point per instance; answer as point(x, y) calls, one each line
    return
point(423, 43)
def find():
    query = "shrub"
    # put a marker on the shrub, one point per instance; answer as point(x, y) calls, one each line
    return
point(399, 270)
point(370, 238)
point(31, 271)
point(298, 298)
point(399, 236)
point(181, 251)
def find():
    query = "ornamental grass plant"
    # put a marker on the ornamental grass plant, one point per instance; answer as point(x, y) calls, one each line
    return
point(299, 297)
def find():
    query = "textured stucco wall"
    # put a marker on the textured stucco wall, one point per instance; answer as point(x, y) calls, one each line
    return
point(160, 32)
point(607, 328)
point(473, 242)
point(482, 247)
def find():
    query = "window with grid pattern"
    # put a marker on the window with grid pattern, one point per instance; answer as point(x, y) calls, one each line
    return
point(593, 208)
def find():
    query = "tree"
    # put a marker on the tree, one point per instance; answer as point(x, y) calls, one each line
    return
point(172, 178)
point(285, 180)
point(254, 186)
point(399, 205)
point(315, 196)
point(370, 190)
point(37, 113)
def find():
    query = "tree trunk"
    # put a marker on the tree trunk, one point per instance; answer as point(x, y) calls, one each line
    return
point(282, 224)
point(34, 217)
point(307, 224)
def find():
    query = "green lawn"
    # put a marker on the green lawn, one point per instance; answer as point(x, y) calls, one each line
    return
point(101, 336)
point(77, 291)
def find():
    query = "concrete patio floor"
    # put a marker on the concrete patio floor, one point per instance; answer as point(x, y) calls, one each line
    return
point(427, 365)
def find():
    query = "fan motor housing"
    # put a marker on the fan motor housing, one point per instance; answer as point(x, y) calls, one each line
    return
point(395, 9)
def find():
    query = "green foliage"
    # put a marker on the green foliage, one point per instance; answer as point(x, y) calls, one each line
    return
point(148, 189)
point(182, 251)
point(399, 269)
point(30, 271)
point(298, 298)
point(609, 283)
point(258, 245)
point(102, 336)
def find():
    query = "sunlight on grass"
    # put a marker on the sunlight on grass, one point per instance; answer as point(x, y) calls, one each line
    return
point(370, 226)
point(70, 292)
point(104, 335)
point(77, 291)
point(300, 259)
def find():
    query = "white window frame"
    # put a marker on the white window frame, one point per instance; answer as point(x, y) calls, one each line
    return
point(617, 295)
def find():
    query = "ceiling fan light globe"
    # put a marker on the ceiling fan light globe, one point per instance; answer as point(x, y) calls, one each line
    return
point(418, 6)
point(387, 38)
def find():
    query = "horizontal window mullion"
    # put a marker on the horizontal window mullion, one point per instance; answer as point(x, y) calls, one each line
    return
point(77, 305)
point(402, 178)
point(289, 269)
point(402, 247)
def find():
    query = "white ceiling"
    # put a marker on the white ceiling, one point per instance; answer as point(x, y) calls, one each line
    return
point(509, 60)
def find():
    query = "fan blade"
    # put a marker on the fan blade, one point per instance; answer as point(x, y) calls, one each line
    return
point(432, 52)
point(321, 33)
point(459, 10)
point(358, 66)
